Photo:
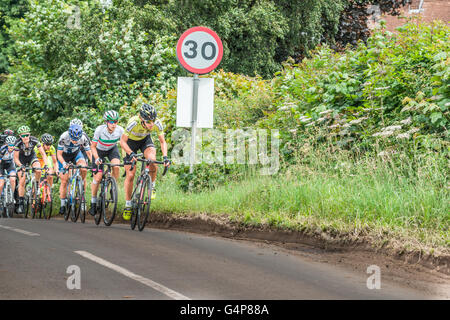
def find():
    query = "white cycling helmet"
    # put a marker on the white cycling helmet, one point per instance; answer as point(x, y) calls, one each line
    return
point(76, 121)
point(10, 140)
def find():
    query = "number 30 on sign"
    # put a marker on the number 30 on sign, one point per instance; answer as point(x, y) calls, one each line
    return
point(199, 50)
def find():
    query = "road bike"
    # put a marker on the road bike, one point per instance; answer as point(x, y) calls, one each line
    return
point(45, 202)
point(31, 191)
point(142, 194)
point(8, 204)
point(76, 201)
point(107, 200)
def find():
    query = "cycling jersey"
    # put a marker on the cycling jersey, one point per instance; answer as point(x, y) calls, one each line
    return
point(50, 152)
point(65, 144)
point(27, 151)
point(105, 140)
point(5, 155)
point(135, 130)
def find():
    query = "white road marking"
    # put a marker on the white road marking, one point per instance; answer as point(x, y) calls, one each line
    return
point(158, 287)
point(31, 234)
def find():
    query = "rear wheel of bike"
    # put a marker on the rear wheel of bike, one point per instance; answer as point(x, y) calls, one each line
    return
point(109, 203)
point(83, 202)
point(134, 207)
point(98, 211)
point(144, 202)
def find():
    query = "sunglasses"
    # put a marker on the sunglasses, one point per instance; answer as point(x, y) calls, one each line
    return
point(11, 145)
point(112, 122)
point(24, 135)
point(148, 121)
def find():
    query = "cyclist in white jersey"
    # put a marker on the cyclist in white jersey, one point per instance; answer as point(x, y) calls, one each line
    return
point(104, 145)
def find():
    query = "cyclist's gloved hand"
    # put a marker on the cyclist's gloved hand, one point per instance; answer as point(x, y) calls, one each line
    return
point(132, 157)
point(98, 161)
point(166, 161)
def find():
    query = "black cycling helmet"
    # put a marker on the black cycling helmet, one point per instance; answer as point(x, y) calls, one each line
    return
point(147, 112)
point(47, 139)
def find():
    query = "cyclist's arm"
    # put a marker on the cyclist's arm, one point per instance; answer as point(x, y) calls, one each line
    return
point(16, 158)
point(163, 143)
point(124, 144)
point(94, 150)
point(59, 156)
point(44, 155)
point(55, 163)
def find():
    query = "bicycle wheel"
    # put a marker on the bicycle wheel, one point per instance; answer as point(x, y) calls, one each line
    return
point(68, 205)
point(109, 203)
point(144, 202)
point(98, 211)
point(134, 208)
point(82, 203)
point(76, 202)
point(9, 203)
point(34, 201)
point(26, 202)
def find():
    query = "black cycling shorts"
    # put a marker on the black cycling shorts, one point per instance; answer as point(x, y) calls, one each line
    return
point(142, 145)
point(28, 161)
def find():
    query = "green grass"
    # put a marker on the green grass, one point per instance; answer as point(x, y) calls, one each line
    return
point(404, 203)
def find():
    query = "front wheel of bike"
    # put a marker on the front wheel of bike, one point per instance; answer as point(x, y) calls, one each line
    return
point(145, 196)
point(109, 203)
point(34, 201)
point(76, 202)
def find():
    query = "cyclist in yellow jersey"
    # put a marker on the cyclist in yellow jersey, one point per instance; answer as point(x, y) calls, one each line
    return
point(137, 136)
point(50, 152)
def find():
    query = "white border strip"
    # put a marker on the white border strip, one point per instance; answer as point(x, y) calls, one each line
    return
point(158, 287)
point(31, 234)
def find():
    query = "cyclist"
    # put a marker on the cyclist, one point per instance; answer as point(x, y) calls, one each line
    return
point(50, 153)
point(5, 134)
point(7, 162)
point(137, 136)
point(104, 144)
point(69, 151)
point(80, 123)
point(24, 155)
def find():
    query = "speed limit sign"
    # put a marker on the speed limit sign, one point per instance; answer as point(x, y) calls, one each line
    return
point(199, 50)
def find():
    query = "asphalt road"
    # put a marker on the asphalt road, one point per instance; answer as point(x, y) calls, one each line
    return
point(118, 263)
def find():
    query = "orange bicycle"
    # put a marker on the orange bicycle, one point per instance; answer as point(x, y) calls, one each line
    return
point(45, 200)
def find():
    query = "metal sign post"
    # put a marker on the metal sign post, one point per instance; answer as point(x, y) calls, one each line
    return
point(194, 122)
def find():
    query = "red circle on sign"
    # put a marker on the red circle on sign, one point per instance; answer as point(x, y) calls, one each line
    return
point(185, 64)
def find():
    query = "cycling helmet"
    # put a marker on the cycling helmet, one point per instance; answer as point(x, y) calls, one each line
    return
point(76, 121)
point(8, 132)
point(10, 140)
point(47, 139)
point(111, 115)
point(23, 129)
point(147, 112)
point(75, 132)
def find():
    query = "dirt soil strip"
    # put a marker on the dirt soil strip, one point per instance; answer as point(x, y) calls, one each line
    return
point(220, 226)
point(411, 269)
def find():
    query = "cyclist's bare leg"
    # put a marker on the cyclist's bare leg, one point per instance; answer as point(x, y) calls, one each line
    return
point(94, 186)
point(12, 180)
point(128, 184)
point(115, 170)
point(63, 186)
point(150, 154)
point(22, 177)
point(2, 183)
point(83, 172)
point(37, 173)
